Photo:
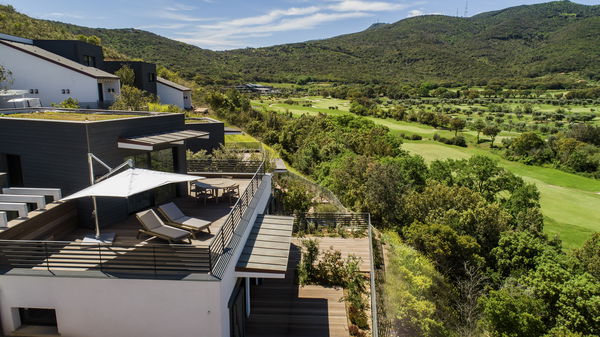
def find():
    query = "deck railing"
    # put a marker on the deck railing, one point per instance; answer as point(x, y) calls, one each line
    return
point(150, 260)
point(223, 166)
point(226, 240)
point(309, 222)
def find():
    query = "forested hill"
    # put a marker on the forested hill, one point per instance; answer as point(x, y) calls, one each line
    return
point(518, 42)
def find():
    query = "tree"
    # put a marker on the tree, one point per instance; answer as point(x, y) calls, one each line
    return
point(296, 199)
point(526, 143)
point(478, 126)
point(491, 131)
point(126, 74)
point(131, 98)
point(447, 248)
point(589, 255)
point(457, 124)
point(513, 312)
point(519, 252)
point(92, 39)
point(5, 75)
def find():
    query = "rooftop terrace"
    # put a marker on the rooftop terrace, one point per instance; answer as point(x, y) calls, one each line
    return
point(130, 255)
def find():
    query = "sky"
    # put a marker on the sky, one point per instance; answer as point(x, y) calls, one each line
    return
point(231, 24)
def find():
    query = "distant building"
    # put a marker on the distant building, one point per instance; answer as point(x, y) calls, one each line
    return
point(256, 88)
point(53, 78)
point(173, 93)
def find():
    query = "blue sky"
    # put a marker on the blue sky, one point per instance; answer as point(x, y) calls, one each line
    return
point(229, 24)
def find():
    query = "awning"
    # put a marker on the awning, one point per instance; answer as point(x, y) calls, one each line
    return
point(147, 142)
point(130, 182)
point(267, 249)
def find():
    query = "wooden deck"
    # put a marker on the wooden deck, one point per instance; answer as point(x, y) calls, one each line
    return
point(358, 247)
point(280, 308)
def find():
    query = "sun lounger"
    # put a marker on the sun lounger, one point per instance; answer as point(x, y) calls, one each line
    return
point(154, 226)
point(176, 218)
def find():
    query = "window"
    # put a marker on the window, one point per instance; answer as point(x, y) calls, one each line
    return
point(36, 322)
point(151, 77)
point(39, 317)
point(89, 61)
point(159, 160)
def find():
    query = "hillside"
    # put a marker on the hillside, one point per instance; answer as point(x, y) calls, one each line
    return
point(518, 42)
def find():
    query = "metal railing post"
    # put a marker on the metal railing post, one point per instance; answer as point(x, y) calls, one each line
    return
point(47, 256)
point(154, 258)
point(100, 256)
point(374, 319)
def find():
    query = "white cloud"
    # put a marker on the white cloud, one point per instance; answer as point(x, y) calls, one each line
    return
point(163, 26)
point(271, 16)
point(367, 6)
point(415, 12)
point(179, 7)
point(183, 17)
point(419, 12)
point(235, 32)
point(63, 15)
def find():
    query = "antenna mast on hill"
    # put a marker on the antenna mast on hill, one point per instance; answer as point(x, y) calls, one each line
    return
point(466, 8)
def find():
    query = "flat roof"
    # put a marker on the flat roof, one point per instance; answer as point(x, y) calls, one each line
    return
point(268, 246)
point(69, 116)
point(64, 62)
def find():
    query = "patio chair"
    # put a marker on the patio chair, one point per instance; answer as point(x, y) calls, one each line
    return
point(176, 218)
point(154, 226)
point(231, 192)
point(202, 194)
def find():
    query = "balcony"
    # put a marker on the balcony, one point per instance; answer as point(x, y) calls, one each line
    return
point(143, 257)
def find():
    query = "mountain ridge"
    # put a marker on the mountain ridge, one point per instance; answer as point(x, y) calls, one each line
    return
point(516, 43)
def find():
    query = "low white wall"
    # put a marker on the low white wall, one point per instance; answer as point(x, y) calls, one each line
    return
point(169, 95)
point(94, 307)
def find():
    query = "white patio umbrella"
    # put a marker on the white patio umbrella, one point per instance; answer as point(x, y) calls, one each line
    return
point(128, 183)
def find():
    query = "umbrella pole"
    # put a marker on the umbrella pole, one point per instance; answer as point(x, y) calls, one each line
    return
point(96, 218)
point(92, 182)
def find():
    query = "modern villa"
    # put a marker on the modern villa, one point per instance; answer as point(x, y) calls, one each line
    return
point(53, 78)
point(52, 71)
point(148, 281)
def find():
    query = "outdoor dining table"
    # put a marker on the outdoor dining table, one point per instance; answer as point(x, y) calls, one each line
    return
point(216, 184)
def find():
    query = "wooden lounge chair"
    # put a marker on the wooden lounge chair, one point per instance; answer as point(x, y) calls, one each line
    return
point(176, 218)
point(154, 226)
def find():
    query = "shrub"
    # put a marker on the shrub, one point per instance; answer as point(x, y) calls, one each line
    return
point(310, 254)
point(416, 137)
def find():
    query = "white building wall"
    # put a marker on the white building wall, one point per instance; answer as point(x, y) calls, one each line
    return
point(31, 72)
point(169, 95)
point(98, 307)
